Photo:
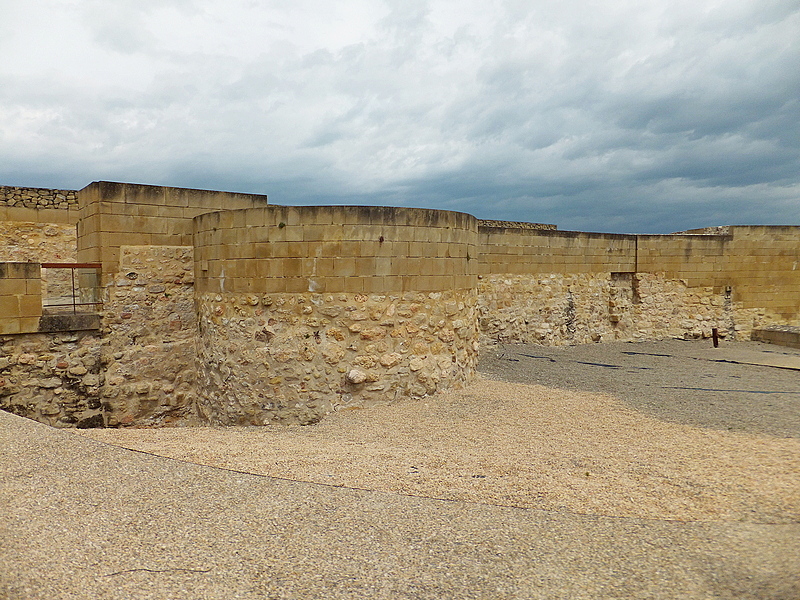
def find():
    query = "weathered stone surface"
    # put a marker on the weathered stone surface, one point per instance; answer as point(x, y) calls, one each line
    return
point(69, 322)
point(245, 378)
point(259, 358)
point(38, 197)
point(26, 359)
point(91, 422)
point(356, 376)
point(37, 242)
point(149, 331)
point(50, 383)
point(41, 387)
point(555, 309)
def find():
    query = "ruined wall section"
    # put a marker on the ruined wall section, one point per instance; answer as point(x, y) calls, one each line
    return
point(755, 268)
point(554, 287)
point(516, 225)
point(28, 241)
point(297, 311)
point(142, 235)
point(317, 309)
point(54, 378)
point(37, 225)
point(557, 309)
point(38, 205)
point(149, 330)
point(26, 197)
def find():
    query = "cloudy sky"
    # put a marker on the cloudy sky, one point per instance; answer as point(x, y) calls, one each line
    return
point(601, 115)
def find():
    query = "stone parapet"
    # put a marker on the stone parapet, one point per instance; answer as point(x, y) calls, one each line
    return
point(113, 215)
point(520, 252)
point(516, 225)
point(331, 249)
point(39, 198)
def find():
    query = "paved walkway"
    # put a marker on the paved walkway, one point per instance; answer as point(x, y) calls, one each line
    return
point(81, 519)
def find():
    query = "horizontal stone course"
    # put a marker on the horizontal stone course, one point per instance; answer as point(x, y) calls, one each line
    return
point(782, 335)
point(20, 297)
point(283, 249)
point(163, 217)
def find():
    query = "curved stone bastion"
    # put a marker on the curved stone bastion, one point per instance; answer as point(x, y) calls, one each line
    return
point(306, 310)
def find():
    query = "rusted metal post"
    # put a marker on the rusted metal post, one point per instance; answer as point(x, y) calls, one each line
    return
point(715, 337)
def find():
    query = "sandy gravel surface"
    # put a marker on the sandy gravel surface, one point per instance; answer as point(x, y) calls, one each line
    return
point(513, 444)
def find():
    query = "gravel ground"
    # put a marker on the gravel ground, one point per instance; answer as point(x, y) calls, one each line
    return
point(89, 521)
point(638, 444)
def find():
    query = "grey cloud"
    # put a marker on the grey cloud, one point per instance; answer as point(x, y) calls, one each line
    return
point(648, 116)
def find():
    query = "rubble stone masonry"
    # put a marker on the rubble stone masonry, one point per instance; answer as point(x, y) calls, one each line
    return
point(38, 205)
point(23, 197)
point(558, 309)
point(296, 357)
point(53, 378)
point(149, 327)
point(221, 309)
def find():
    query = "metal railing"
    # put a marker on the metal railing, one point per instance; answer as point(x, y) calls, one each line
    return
point(67, 286)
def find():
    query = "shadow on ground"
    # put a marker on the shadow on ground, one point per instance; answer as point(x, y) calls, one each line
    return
point(679, 381)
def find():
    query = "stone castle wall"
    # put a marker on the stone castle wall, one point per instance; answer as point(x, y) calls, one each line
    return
point(296, 357)
point(563, 287)
point(558, 309)
point(23, 197)
point(37, 225)
point(306, 310)
point(257, 314)
point(113, 215)
point(29, 241)
point(38, 205)
point(54, 378)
